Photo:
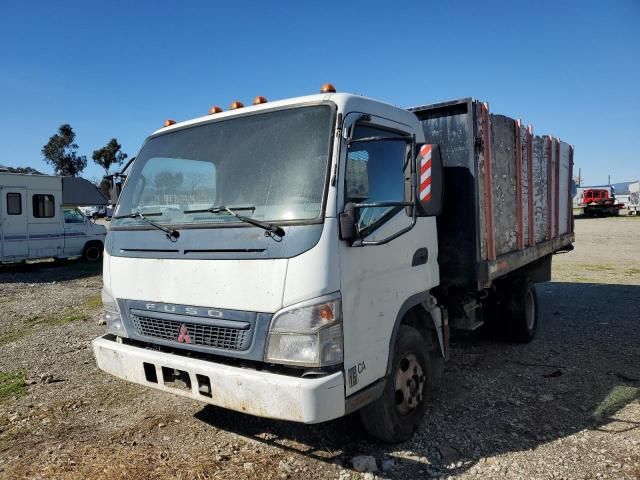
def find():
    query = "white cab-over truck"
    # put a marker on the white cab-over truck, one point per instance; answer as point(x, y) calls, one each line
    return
point(306, 258)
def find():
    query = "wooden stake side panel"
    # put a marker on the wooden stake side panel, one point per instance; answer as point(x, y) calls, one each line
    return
point(505, 190)
point(564, 186)
point(540, 188)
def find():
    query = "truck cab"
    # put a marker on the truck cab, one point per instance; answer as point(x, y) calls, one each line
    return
point(595, 195)
point(302, 300)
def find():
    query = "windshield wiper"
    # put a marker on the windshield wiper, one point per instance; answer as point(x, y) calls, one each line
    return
point(269, 228)
point(171, 233)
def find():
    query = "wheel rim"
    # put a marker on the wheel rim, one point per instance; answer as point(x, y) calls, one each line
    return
point(410, 380)
point(530, 309)
point(93, 253)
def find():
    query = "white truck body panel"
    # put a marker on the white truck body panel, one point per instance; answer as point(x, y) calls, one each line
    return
point(252, 285)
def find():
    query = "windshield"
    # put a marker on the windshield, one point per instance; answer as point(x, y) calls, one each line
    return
point(274, 162)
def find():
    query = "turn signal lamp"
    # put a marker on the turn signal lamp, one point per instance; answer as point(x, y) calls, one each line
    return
point(328, 88)
point(168, 123)
point(236, 104)
point(259, 99)
point(325, 313)
point(214, 109)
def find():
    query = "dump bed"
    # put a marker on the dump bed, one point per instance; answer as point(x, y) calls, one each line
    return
point(507, 192)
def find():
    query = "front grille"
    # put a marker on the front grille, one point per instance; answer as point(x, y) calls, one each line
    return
point(199, 334)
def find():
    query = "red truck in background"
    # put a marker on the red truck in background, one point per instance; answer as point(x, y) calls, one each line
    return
point(600, 202)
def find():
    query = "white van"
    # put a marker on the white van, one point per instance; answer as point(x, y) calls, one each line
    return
point(39, 218)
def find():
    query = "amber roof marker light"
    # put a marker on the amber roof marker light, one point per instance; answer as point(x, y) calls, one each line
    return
point(328, 88)
point(215, 109)
point(259, 99)
point(236, 105)
point(168, 123)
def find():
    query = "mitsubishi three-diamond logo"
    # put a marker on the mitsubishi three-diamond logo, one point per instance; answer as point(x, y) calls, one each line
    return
point(183, 335)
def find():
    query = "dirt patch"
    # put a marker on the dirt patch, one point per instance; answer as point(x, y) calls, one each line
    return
point(565, 406)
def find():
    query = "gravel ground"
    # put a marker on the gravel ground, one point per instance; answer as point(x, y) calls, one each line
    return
point(565, 406)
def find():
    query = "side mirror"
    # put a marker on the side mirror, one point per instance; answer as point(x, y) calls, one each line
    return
point(348, 230)
point(429, 184)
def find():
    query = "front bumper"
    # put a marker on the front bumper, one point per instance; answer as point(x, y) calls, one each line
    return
point(264, 394)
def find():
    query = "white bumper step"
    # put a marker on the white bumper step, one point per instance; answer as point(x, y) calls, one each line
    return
point(264, 394)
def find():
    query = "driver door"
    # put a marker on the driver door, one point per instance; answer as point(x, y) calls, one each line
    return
point(376, 280)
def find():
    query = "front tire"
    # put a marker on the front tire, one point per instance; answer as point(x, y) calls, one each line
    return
point(92, 252)
point(397, 414)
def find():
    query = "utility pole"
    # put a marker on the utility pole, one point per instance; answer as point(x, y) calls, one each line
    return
point(609, 180)
point(579, 177)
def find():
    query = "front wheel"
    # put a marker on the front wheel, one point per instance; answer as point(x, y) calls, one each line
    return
point(397, 414)
point(92, 252)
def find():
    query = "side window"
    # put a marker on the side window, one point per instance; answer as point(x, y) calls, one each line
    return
point(71, 215)
point(43, 206)
point(14, 204)
point(375, 173)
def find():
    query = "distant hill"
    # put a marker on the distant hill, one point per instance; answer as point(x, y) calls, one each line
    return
point(28, 170)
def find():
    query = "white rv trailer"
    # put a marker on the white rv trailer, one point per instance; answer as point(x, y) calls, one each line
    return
point(632, 203)
point(39, 218)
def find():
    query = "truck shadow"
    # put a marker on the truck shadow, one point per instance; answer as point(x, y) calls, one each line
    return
point(579, 372)
point(49, 271)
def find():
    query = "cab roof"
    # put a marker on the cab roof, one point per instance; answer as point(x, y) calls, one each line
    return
point(344, 102)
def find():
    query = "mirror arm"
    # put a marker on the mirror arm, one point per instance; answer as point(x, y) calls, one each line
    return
point(365, 117)
point(367, 243)
point(383, 204)
point(397, 138)
point(414, 218)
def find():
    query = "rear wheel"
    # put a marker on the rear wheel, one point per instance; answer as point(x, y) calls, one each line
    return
point(520, 311)
point(92, 252)
point(397, 414)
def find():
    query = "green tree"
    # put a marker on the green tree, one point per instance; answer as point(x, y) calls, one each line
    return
point(109, 155)
point(28, 170)
point(61, 152)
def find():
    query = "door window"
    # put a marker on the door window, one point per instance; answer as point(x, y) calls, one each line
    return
point(375, 173)
point(71, 215)
point(43, 206)
point(14, 204)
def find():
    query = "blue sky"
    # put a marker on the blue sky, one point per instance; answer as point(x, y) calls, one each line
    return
point(118, 69)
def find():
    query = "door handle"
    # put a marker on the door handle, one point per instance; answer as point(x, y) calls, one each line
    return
point(420, 257)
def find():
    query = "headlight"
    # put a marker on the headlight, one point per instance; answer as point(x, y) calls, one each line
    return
point(112, 315)
point(308, 335)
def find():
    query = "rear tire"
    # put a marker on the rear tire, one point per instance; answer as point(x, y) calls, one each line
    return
point(92, 252)
point(520, 311)
point(397, 414)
